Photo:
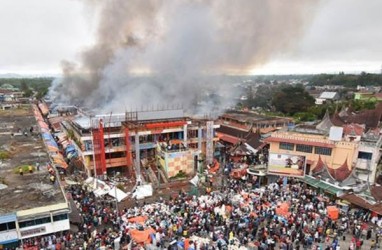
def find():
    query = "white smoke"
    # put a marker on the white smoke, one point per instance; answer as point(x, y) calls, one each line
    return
point(180, 45)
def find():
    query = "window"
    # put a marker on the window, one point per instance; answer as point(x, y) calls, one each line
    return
point(322, 151)
point(43, 220)
point(38, 221)
point(365, 155)
point(27, 223)
point(286, 146)
point(7, 226)
point(60, 217)
point(304, 148)
point(11, 225)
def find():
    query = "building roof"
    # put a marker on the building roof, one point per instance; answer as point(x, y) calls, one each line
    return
point(353, 129)
point(238, 133)
point(32, 189)
point(251, 117)
point(370, 118)
point(376, 192)
point(234, 136)
point(328, 95)
point(342, 173)
point(325, 124)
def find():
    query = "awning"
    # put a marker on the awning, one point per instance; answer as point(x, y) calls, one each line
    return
point(331, 189)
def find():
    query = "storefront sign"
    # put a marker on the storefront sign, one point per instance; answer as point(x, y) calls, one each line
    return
point(37, 230)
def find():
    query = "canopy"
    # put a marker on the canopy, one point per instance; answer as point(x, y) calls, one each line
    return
point(143, 191)
point(333, 212)
point(138, 219)
point(141, 236)
point(283, 209)
point(117, 193)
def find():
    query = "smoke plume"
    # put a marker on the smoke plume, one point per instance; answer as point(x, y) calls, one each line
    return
point(154, 53)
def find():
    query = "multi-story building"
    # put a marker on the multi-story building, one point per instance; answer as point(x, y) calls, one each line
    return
point(127, 142)
point(341, 155)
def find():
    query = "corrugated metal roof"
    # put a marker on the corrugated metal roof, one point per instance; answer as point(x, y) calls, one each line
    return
point(328, 95)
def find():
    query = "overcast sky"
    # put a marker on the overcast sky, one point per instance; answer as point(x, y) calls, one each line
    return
point(344, 35)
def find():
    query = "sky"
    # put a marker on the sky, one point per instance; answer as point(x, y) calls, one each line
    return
point(343, 35)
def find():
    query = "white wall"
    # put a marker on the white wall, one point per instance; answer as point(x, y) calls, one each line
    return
point(47, 228)
point(8, 235)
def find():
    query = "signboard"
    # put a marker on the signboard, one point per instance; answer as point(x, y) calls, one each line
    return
point(286, 165)
point(33, 231)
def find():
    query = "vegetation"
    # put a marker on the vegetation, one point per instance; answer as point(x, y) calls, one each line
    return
point(346, 80)
point(40, 85)
point(292, 99)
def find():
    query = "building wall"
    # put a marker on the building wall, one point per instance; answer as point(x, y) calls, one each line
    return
point(364, 165)
point(176, 132)
point(340, 151)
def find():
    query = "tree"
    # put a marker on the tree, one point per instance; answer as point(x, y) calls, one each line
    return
point(25, 89)
point(292, 99)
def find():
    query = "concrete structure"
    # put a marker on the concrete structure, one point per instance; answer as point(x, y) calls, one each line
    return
point(30, 204)
point(344, 156)
point(127, 142)
point(251, 120)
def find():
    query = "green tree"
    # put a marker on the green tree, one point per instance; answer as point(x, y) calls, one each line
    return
point(292, 99)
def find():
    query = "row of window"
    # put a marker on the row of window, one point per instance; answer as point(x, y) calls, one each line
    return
point(43, 220)
point(7, 226)
point(305, 148)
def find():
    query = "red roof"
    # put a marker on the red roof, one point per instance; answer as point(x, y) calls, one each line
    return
point(341, 173)
point(230, 139)
point(311, 143)
point(319, 166)
point(353, 129)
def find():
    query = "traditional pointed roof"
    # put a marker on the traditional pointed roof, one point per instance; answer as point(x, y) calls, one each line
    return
point(342, 173)
point(337, 120)
point(343, 112)
point(326, 123)
point(319, 166)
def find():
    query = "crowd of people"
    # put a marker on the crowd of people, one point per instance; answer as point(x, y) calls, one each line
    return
point(235, 216)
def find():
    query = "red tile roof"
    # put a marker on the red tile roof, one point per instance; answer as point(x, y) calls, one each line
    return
point(353, 129)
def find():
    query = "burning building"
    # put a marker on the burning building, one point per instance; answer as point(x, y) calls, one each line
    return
point(143, 144)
